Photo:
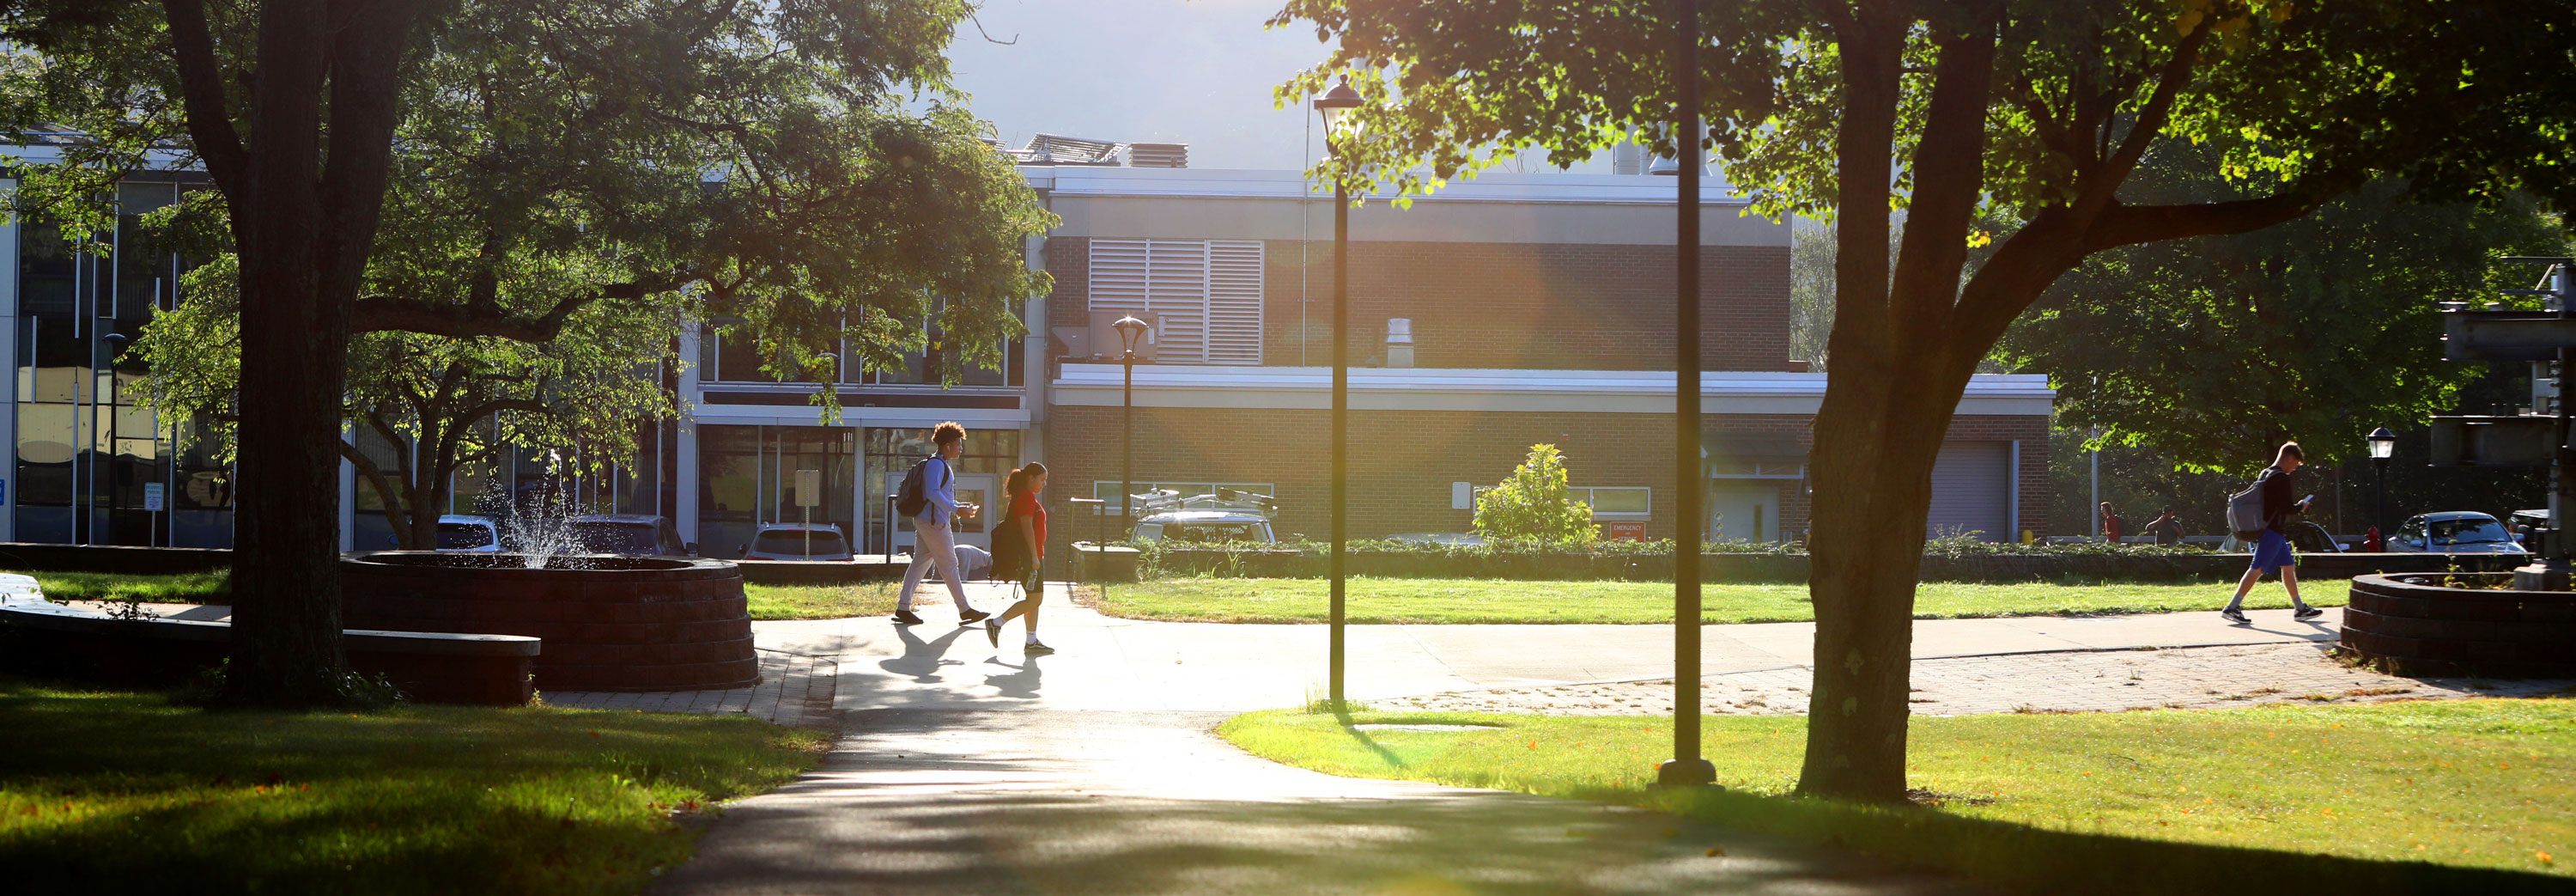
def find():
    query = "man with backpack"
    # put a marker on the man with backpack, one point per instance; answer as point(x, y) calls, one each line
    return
point(929, 497)
point(2272, 543)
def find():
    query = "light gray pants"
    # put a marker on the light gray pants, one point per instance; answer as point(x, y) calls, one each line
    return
point(932, 544)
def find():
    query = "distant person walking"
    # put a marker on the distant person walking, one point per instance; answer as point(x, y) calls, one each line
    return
point(1024, 560)
point(2272, 551)
point(2110, 524)
point(933, 544)
point(2166, 529)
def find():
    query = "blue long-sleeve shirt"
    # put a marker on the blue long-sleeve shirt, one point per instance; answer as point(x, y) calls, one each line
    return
point(939, 489)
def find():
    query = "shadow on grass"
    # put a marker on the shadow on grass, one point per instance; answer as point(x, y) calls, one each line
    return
point(2039, 860)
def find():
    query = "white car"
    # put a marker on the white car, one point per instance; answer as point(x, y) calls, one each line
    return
point(464, 534)
point(1205, 526)
point(2454, 532)
point(798, 541)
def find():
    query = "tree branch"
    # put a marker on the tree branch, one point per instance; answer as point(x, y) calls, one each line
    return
point(2122, 225)
point(376, 480)
point(464, 322)
point(210, 123)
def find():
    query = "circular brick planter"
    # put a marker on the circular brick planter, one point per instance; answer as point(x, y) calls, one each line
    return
point(618, 624)
point(2409, 624)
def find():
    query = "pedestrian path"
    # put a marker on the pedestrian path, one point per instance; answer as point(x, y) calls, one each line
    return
point(934, 802)
point(1105, 663)
point(2086, 681)
point(794, 690)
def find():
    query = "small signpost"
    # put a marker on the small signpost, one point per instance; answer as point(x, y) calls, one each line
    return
point(809, 492)
point(153, 497)
point(2525, 441)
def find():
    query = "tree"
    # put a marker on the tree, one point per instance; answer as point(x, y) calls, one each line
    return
point(2205, 352)
point(1530, 504)
point(2034, 113)
point(739, 117)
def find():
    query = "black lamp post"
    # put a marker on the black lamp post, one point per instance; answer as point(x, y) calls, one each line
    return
point(1129, 330)
point(2383, 444)
point(1335, 106)
point(1686, 768)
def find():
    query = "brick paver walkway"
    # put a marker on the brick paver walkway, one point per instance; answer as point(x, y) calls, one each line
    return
point(794, 689)
point(2089, 681)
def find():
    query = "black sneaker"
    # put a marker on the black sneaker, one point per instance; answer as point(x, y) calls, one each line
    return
point(2235, 616)
point(970, 617)
point(905, 617)
point(1034, 648)
point(993, 632)
point(2306, 613)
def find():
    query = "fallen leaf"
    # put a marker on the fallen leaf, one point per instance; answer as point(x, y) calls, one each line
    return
point(1716, 851)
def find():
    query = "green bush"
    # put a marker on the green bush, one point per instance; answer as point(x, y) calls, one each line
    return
point(1530, 504)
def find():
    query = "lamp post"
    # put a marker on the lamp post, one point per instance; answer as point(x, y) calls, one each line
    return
point(1335, 106)
point(2383, 444)
point(1129, 330)
point(1687, 768)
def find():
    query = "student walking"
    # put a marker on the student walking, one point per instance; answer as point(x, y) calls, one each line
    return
point(2166, 528)
point(2111, 523)
point(2272, 551)
point(933, 544)
point(1024, 560)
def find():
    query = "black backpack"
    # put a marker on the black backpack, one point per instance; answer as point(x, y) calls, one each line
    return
point(908, 499)
point(1012, 555)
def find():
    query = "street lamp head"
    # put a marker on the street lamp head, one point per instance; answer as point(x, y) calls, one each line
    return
point(2383, 443)
point(1129, 330)
point(1336, 105)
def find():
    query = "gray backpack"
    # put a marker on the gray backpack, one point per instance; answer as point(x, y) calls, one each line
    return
point(2245, 510)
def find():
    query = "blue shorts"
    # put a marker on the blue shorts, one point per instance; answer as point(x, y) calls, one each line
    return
point(2273, 552)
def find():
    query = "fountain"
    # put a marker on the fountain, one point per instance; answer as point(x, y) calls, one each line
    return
point(2517, 623)
point(609, 623)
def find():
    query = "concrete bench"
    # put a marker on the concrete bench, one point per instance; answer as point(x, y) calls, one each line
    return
point(431, 667)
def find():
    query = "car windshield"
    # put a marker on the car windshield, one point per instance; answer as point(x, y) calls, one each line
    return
point(793, 543)
point(1211, 532)
point(459, 536)
point(615, 538)
point(2469, 531)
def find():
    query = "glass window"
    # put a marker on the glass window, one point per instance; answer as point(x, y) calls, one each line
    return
point(1624, 500)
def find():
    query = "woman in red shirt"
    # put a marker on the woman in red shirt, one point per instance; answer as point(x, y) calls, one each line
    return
point(1027, 523)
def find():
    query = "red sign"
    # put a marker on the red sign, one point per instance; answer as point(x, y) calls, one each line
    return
point(1625, 531)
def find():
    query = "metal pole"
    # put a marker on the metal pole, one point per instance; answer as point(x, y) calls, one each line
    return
point(1127, 446)
point(2379, 508)
point(1341, 413)
point(1686, 768)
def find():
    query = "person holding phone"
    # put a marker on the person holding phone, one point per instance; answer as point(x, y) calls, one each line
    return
point(933, 544)
point(2272, 551)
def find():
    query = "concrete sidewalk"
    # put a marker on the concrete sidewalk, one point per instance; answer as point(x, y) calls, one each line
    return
point(1124, 664)
point(968, 802)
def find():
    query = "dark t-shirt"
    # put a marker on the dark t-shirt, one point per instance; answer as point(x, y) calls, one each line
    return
point(2280, 499)
point(2167, 530)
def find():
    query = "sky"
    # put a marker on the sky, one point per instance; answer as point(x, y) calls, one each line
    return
point(1143, 71)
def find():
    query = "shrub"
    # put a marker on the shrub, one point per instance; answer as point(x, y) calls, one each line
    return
point(1530, 504)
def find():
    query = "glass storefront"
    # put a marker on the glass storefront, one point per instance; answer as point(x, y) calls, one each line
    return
point(747, 476)
point(990, 454)
point(93, 466)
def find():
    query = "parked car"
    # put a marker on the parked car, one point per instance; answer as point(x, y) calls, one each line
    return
point(1205, 525)
point(2525, 523)
point(466, 534)
point(798, 541)
point(1453, 539)
point(631, 534)
point(2454, 532)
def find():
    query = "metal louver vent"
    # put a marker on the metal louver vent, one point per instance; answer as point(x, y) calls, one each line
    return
point(1206, 294)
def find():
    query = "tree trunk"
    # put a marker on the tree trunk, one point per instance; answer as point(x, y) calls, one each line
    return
point(302, 226)
point(286, 621)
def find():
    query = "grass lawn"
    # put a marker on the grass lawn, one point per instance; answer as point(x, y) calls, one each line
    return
point(826, 601)
point(173, 588)
point(123, 792)
point(2338, 799)
point(1373, 600)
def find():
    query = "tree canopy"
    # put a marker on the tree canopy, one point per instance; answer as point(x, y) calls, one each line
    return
point(2011, 126)
point(801, 167)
